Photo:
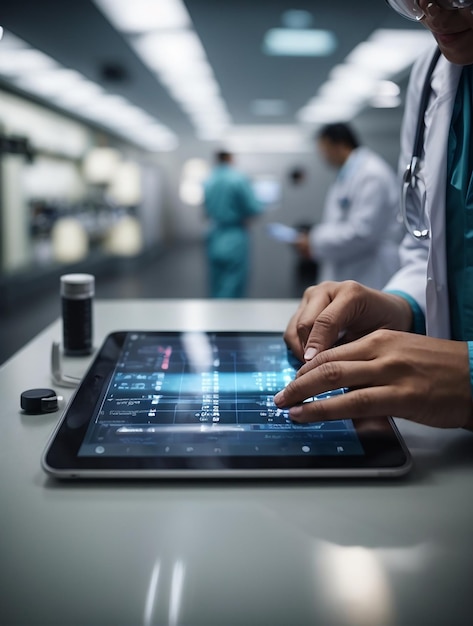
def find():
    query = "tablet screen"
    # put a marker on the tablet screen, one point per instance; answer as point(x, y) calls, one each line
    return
point(200, 393)
point(203, 401)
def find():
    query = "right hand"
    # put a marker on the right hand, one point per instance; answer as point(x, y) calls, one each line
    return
point(344, 311)
point(420, 378)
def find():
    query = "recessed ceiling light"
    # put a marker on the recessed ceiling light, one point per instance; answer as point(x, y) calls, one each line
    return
point(162, 34)
point(321, 111)
point(41, 76)
point(362, 79)
point(269, 138)
point(180, 61)
point(141, 16)
point(298, 42)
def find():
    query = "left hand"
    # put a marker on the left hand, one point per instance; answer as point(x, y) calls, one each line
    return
point(420, 378)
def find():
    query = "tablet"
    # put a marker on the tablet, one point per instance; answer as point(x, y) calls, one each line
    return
point(200, 405)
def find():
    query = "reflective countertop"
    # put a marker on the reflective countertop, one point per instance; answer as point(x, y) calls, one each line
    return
point(321, 552)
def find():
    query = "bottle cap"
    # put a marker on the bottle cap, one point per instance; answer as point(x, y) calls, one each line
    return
point(77, 286)
point(39, 401)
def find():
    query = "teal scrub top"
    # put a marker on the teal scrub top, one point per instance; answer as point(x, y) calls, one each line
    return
point(229, 197)
point(459, 212)
point(459, 215)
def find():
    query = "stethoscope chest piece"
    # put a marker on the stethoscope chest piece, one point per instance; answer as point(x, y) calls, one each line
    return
point(410, 183)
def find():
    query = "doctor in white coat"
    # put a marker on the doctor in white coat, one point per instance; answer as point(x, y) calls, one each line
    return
point(359, 234)
point(393, 368)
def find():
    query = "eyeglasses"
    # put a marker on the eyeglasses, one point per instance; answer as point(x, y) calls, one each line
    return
point(412, 10)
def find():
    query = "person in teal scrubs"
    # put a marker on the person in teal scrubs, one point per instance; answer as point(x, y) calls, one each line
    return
point(230, 203)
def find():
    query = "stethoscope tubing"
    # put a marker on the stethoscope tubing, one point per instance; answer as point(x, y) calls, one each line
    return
point(410, 175)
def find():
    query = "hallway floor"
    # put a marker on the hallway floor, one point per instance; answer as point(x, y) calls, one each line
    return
point(178, 273)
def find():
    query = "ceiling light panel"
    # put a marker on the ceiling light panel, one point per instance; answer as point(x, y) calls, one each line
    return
point(18, 59)
point(41, 76)
point(49, 83)
point(168, 45)
point(322, 111)
point(360, 80)
point(299, 42)
point(140, 16)
point(266, 139)
point(179, 61)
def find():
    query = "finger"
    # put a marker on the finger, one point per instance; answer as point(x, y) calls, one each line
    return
point(326, 377)
point(300, 324)
point(332, 321)
point(315, 300)
point(357, 404)
point(357, 350)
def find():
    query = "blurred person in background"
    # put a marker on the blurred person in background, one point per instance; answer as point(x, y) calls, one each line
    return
point(230, 204)
point(359, 234)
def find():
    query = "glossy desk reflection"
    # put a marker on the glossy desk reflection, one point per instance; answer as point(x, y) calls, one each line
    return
point(326, 552)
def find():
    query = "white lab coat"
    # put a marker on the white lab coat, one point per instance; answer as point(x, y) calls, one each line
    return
point(423, 273)
point(359, 234)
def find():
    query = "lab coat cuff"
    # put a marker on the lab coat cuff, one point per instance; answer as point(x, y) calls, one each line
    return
point(418, 317)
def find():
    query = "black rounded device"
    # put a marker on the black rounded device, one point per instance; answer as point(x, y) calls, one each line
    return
point(37, 401)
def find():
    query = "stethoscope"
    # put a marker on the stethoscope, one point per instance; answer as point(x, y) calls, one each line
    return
point(411, 178)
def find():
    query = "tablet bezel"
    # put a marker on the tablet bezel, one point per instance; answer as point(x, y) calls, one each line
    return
point(386, 454)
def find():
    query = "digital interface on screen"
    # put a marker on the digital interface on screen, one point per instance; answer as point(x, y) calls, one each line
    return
point(206, 394)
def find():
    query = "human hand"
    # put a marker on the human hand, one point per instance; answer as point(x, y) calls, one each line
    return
point(420, 378)
point(331, 310)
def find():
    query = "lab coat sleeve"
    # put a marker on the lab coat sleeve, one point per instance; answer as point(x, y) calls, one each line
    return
point(369, 214)
point(412, 276)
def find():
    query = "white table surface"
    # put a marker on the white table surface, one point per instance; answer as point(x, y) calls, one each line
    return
point(326, 552)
